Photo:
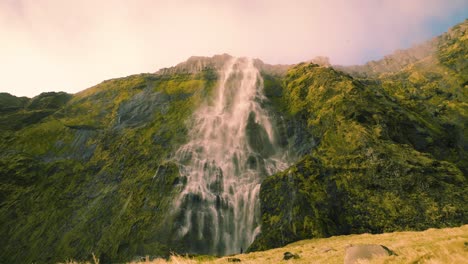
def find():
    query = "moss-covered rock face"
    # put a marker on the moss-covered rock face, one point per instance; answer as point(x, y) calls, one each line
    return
point(390, 148)
point(90, 172)
point(376, 148)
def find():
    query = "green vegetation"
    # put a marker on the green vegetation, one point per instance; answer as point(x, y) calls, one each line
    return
point(390, 151)
point(18, 112)
point(93, 174)
point(378, 148)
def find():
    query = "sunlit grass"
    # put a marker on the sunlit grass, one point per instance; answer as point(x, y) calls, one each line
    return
point(448, 245)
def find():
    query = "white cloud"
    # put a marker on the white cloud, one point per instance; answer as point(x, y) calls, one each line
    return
point(71, 45)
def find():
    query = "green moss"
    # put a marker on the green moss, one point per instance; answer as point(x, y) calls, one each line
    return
point(377, 166)
point(92, 172)
point(79, 182)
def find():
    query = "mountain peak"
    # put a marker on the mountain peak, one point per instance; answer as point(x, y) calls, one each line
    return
point(454, 37)
point(195, 64)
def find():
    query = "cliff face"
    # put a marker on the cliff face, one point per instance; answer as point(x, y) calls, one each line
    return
point(391, 148)
point(91, 172)
point(374, 149)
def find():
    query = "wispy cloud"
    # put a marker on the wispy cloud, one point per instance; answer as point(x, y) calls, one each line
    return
point(71, 45)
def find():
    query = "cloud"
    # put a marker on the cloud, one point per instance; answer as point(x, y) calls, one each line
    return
point(71, 45)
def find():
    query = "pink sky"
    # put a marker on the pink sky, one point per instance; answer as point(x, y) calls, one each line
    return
point(58, 45)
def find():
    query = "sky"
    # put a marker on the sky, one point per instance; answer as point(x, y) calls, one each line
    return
point(69, 45)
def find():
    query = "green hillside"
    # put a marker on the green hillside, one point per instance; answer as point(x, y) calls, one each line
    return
point(374, 151)
point(391, 151)
point(92, 175)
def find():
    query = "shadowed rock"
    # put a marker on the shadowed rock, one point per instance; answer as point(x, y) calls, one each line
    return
point(289, 255)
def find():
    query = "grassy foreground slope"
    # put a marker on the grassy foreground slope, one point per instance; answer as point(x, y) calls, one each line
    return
point(448, 245)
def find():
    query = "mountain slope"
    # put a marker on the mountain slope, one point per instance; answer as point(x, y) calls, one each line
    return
point(449, 46)
point(390, 155)
point(373, 151)
point(92, 175)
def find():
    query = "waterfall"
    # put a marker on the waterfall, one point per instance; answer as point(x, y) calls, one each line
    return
point(231, 148)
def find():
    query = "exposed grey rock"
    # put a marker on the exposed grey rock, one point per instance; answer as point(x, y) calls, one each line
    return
point(257, 137)
point(196, 64)
point(141, 107)
point(365, 252)
point(275, 70)
point(322, 61)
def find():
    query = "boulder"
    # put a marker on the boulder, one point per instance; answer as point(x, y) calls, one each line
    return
point(289, 255)
point(365, 252)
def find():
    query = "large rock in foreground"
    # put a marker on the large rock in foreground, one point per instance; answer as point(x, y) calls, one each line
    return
point(354, 253)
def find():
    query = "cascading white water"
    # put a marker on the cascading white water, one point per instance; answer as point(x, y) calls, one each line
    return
point(231, 148)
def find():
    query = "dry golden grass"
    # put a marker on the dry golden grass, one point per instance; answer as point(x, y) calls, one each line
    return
point(433, 246)
point(95, 261)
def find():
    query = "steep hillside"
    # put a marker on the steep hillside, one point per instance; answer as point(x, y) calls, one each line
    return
point(391, 151)
point(373, 149)
point(94, 171)
point(90, 174)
